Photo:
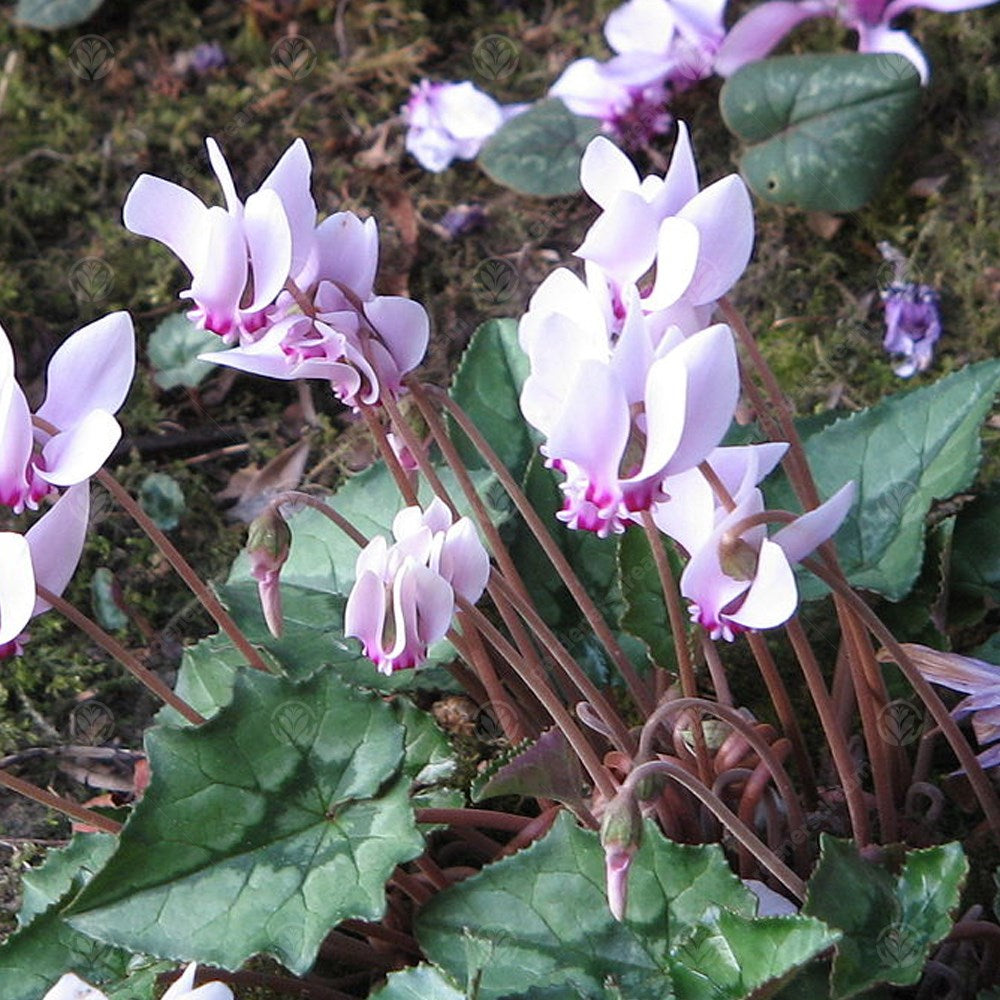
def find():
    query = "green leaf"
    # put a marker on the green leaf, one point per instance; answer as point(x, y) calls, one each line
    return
point(821, 130)
point(422, 982)
point(645, 615)
point(162, 499)
point(539, 151)
point(105, 600)
point(45, 946)
point(487, 386)
point(889, 924)
point(261, 830)
point(541, 917)
point(731, 956)
point(173, 351)
point(903, 454)
point(975, 552)
point(54, 13)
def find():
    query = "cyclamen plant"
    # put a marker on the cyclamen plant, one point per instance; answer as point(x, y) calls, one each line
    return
point(292, 812)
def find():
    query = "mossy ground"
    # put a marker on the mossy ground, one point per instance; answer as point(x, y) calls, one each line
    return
point(70, 148)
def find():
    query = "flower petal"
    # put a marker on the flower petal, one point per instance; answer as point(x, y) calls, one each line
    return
point(605, 170)
point(348, 252)
point(291, 179)
point(680, 184)
point(76, 454)
point(403, 327)
point(233, 204)
point(464, 562)
point(677, 249)
point(269, 241)
point(623, 238)
point(171, 214)
point(754, 35)
point(713, 389)
point(723, 214)
point(641, 26)
point(17, 586)
point(72, 987)
point(217, 285)
point(814, 527)
point(772, 597)
point(16, 444)
point(56, 541)
point(92, 370)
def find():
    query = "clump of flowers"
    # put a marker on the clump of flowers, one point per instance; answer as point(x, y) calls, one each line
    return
point(403, 598)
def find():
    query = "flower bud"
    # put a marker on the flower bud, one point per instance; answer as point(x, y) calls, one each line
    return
point(621, 835)
point(268, 543)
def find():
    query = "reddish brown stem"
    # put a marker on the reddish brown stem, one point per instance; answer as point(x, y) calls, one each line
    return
point(57, 802)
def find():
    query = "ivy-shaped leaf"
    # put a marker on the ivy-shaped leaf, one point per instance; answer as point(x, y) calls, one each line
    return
point(261, 829)
point(821, 130)
point(889, 923)
point(540, 920)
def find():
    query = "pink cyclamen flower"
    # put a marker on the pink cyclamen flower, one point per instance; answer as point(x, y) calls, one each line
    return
point(977, 679)
point(72, 987)
point(700, 241)
point(46, 555)
point(763, 27)
point(403, 597)
point(449, 121)
point(621, 410)
point(87, 381)
point(740, 579)
point(240, 256)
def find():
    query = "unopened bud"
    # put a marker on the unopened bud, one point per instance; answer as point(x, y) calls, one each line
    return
point(269, 541)
point(621, 835)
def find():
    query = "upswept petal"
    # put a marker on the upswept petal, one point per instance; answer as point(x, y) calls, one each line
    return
point(16, 444)
point(291, 178)
point(704, 18)
point(772, 597)
point(667, 400)
point(641, 26)
point(562, 293)
point(233, 204)
point(348, 251)
point(364, 613)
point(167, 212)
point(623, 238)
point(705, 584)
point(688, 516)
point(218, 288)
point(678, 245)
point(182, 988)
point(91, 370)
point(814, 527)
point(6, 357)
point(713, 388)
point(755, 34)
point(881, 38)
point(723, 214)
point(633, 351)
point(56, 541)
point(463, 561)
point(76, 454)
point(680, 184)
point(403, 328)
point(605, 170)
point(593, 427)
point(269, 242)
point(17, 586)
point(731, 463)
